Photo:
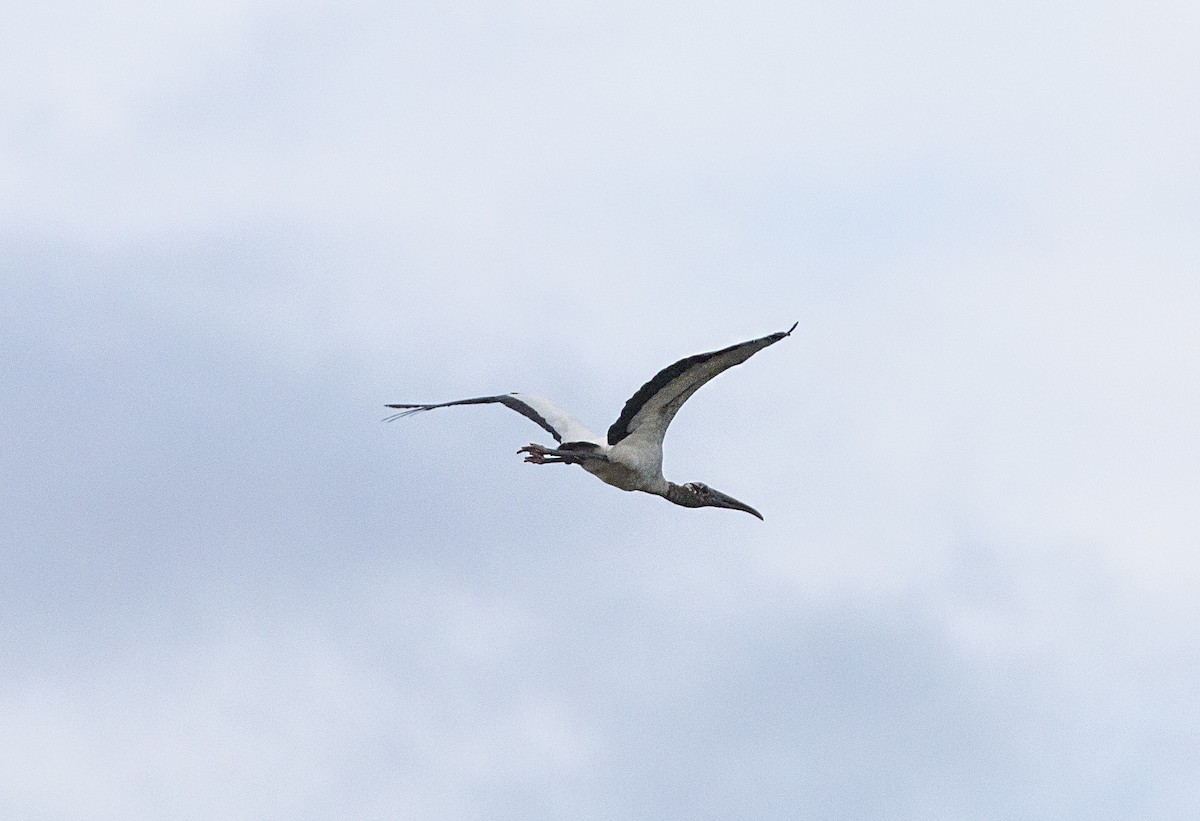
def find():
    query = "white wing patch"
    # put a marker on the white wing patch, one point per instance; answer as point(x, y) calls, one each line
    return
point(568, 428)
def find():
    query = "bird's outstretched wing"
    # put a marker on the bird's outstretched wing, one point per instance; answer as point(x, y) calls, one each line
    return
point(552, 419)
point(650, 410)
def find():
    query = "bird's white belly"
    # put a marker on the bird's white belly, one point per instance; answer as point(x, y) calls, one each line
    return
point(615, 474)
point(629, 469)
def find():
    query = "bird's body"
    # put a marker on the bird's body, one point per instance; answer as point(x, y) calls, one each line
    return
point(630, 457)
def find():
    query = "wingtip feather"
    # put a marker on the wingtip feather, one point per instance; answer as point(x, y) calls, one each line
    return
point(409, 410)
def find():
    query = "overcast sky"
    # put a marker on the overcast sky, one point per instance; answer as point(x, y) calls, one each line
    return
point(231, 231)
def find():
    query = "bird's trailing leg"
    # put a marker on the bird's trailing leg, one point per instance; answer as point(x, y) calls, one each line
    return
point(537, 455)
point(542, 455)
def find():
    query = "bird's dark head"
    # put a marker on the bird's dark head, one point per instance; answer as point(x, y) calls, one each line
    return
point(698, 494)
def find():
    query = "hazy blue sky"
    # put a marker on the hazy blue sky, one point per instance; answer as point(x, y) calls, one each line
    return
point(232, 230)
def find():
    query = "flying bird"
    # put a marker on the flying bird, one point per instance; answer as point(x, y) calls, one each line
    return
point(630, 458)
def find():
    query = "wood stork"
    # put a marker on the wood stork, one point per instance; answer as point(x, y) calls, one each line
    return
point(631, 457)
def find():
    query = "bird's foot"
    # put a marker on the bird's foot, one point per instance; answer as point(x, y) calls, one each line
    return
point(537, 454)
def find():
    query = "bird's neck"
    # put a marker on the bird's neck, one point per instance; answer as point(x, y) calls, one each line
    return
point(681, 495)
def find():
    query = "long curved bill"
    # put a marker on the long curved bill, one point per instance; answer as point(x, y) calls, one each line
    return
point(722, 500)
